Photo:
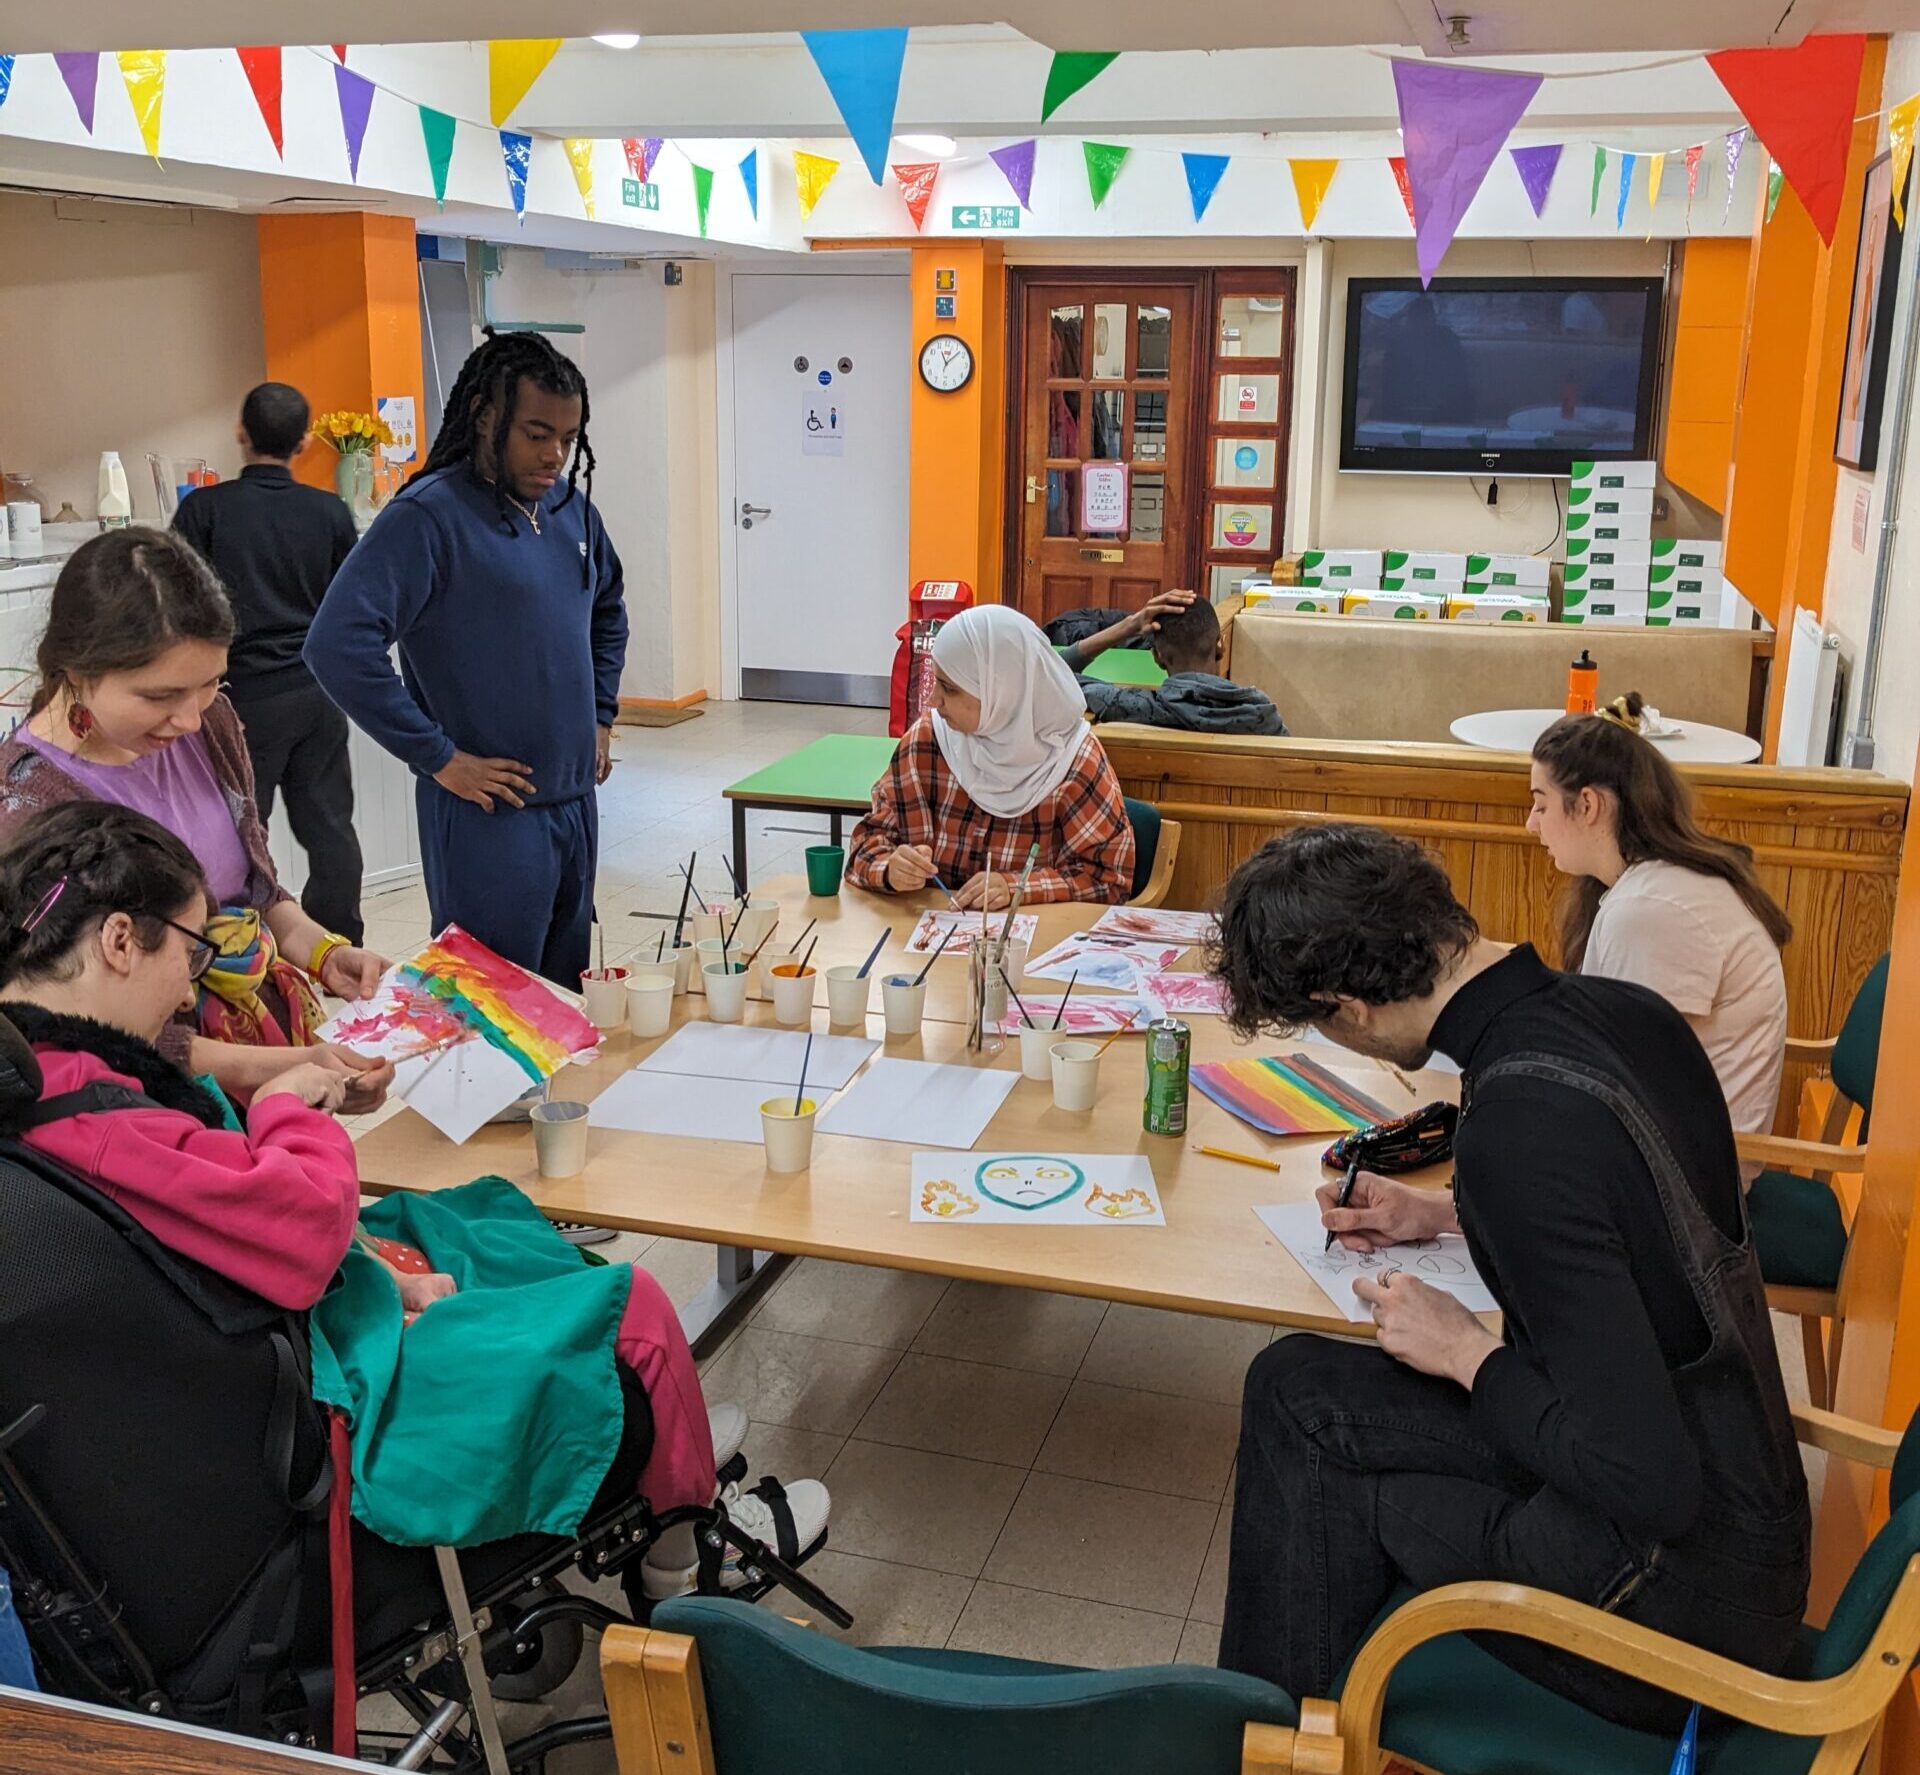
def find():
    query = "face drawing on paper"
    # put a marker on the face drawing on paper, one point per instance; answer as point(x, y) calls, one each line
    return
point(1126, 1204)
point(948, 1200)
point(1029, 1180)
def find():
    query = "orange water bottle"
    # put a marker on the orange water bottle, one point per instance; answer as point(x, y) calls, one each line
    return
point(1583, 685)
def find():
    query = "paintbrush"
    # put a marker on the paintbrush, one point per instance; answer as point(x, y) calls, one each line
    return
point(808, 956)
point(660, 954)
point(742, 913)
point(764, 941)
point(1411, 1089)
point(926, 969)
point(1063, 999)
point(880, 943)
point(1019, 894)
point(942, 886)
point(680, 921)
point(600, 934)
point(699, 898)
point(799, 1090)
point(1117, 1034)
point(795, 944)
point(1025, 1016)
point(739, 893)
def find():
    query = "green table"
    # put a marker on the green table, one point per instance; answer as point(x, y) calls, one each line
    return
point(835, 772)
point(1126, 665)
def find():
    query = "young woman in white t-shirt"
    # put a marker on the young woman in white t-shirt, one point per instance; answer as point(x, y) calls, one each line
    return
point(1653, 898)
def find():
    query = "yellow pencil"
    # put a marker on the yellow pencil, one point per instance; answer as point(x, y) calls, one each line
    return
point(1220, 1152)
point(1118, 1033)
point(1412, 1089)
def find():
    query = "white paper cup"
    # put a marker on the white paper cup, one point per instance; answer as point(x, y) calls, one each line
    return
point(1036, 1051)
point(789, 1137)
point(1076, 1074)
point(756, 924)
point(605, 992)
point(726, 984)
point(793, 994)
point(705, 925)
point(848, 993)
point(1015, 964)
point(904, 1002)
point(681, 957)
point(708, 950)
point(650, 1004)
point(560, 1138)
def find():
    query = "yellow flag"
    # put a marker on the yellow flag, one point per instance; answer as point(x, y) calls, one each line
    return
point(1656, 167)
point(1900, 122)
point(811, 173)
point(513, 65)
point(1310, 181)
point(580, 152)
point(145, 72)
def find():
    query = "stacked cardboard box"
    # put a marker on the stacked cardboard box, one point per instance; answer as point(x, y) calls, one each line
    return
point(1406, 605)
point(1502, 606)
point(1413, 570)
point(1293, 601)
point(1344, 568)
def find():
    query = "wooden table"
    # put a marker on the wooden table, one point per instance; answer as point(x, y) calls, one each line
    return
point(1126, 665)
point(1212, 1256)
point(1515, 730)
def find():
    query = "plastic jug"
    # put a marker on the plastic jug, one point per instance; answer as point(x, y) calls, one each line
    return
point(116, 505)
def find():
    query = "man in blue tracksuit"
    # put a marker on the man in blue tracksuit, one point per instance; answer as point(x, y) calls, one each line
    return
point(495, 578)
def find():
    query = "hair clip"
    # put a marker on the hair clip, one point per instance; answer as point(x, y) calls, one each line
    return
point(46, 904)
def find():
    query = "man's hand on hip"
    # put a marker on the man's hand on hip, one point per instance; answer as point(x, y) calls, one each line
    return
point(479, 780)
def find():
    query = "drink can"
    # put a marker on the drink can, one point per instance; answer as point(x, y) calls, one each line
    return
point(1169, 1055)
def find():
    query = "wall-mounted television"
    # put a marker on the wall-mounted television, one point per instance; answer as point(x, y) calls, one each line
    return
point(1498, 376)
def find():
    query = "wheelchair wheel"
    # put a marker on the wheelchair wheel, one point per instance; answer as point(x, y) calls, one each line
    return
point(540, 1661)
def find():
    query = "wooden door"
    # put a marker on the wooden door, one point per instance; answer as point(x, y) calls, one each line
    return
point(1107, 373)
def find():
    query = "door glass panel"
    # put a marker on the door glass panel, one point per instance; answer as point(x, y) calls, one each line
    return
point(1108, 442)
point(1245, 462)
point(1248, 527)
point(1225, 581)
point(1063, 501)
point(1253, 326)
point(1063, 341)
point(1063, 422)
point(1149, 427)
point(1147, 504)
point(1248, 400)
point(1155, 343)
point(1109, 341)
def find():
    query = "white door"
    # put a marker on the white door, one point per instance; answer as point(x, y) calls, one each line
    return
point(820, 483)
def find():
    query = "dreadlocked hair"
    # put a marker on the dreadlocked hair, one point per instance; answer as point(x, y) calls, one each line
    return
point(491, 377)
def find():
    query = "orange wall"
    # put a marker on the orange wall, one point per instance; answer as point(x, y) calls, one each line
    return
point(1705, 382)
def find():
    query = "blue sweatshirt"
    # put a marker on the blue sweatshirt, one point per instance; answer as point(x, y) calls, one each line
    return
point(511, 643)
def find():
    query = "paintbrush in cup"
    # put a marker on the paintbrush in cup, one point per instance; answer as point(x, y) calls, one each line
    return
point(1026, 1016)
point(879, 944)
point(795, 944)
point(927, 968)
point(680, 920)
point(1117, 1034)
point(660, 952)
point(1013, 907)
point(799, 1090)
point(700, 899)
point(808, 956)
point(1063, 999)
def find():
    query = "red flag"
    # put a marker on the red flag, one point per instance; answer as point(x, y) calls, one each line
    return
point(340, 51)
point(916, 187)
point(1399, 164)
point(630, 147)
point(1801, 102)
point(263, 75)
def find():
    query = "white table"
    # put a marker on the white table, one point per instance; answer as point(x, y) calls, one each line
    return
point(1515, 730)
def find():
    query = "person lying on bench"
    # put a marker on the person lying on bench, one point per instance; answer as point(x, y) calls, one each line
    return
point(1195, 695)
point(472, 1349)
point(1003, 760)
point(1626, 1442)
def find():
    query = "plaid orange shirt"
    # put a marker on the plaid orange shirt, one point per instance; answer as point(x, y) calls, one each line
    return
point(1086, 842)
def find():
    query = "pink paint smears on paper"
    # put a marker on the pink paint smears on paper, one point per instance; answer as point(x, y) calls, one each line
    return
point(506, 1006)
point(403, 1020)
point(1191, 995)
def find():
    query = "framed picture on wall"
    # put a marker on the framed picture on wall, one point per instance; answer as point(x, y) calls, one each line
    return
point(1863, 383)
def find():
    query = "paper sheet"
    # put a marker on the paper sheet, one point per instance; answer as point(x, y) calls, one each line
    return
point(952, 931)
point(920, 1103)
point(1186, 995)
point(735, 1051)
point(1087, 1014)
point(1158, 922)
point(461, 1088)
point(643, 1102)
point(1050, 1189)
point(1441, 1263)
point(1113, 962)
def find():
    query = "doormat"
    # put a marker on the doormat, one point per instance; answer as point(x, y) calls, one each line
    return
point(632, 717)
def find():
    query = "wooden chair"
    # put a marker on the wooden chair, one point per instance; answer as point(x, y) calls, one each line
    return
point(1156, 848)
point(1422, 1689)
point(715, 1687)
point(1799, 1229)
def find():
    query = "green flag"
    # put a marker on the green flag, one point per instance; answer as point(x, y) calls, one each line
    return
point(702, 194)
point(1599, 173)
point(1104, 161)
point(437, 128)
point(1071, 70)
point(1775, 180)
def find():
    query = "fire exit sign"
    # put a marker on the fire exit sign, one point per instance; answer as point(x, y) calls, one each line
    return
point(981, 217)
point(637, 196)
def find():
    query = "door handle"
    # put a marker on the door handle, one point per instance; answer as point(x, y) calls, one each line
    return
point(1033, 488)
point(749, 512)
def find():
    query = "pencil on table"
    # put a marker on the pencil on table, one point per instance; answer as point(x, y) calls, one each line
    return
point(1221, 1152)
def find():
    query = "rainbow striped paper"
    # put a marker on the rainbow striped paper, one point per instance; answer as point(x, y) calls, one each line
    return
point(1290, 1096)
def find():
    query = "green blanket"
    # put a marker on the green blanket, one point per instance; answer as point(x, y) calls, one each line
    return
point(498, 1411)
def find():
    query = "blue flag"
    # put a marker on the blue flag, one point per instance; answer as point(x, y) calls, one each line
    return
point(1203, 174)
point(1686, 1755)
point(862, 72)
point(750, 177)
point(518, 150)
point(1626, 188)
point(6, 77)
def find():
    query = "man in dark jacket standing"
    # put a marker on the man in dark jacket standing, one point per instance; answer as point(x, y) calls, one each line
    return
point(1187, 646)
point(276, 545)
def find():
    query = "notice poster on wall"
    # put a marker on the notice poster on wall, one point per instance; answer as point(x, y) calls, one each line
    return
point(397, 411)
point(1103, 498)
point(823, 423)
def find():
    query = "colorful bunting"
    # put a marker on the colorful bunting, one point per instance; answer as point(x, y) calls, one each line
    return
point(1656, 167)
point(702, 193)
point(355, 93)
point(1399, 164)
point(1900, 122)
point(916, 187)
point(80, 69)
point(862, 72)
point(1776, 182)
point(1599, 173)
point(1015, 162)
point(1454, 121)
point(6, 77)
point(1203, 179)
point(1693, 175)
point(263, 72)
point(580, 154)
point(1070, 71)
point(437, 129)
point(649, 153)
point(1104, 161)
point(1627, 162)
point(1536, 167)
point(513, 65)
point(633, 148)
point(1802, 102)
point(812, 173)
point(517, 151)
point(1311, 178)
point(340, 52)
point(145, 74)
point(750, 177)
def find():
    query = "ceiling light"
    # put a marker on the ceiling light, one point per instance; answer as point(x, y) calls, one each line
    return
point(620, 39)
point(939, 147)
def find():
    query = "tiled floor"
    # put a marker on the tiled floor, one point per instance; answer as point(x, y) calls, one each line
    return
point(1030, 1474)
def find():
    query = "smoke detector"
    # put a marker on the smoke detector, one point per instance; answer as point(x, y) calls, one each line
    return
point(1457, 37)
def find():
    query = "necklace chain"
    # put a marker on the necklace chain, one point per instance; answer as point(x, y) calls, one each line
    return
point(530, 512)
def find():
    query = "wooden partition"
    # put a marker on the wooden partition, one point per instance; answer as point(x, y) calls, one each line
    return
point(1827, 841)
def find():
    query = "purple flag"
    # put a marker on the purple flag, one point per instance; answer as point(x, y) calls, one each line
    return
point(355, 93)
point(1736, 145)
point(1454, 122)
point(1536, 167)
point(649, 153)
point(80, 69)
point(1017, 163)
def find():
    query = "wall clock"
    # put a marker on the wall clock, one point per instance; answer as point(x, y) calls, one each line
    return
point(946, 363)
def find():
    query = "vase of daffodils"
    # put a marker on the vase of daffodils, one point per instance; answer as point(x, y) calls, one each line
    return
point(353, 438)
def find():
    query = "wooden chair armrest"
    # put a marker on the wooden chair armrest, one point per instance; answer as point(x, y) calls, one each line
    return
point(1817, 1157)
point(1818, 1049)
point(1850, 1438)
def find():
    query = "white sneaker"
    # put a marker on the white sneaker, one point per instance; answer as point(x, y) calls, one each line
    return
point(728, 1424)
point(806, 1498)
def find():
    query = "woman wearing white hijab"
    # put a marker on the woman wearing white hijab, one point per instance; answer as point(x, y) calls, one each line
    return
point(1003, 759)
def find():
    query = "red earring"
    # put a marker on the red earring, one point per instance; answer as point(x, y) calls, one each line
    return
point(79, 720)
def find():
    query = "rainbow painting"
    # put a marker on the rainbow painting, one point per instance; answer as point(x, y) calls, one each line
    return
point(1290, 1096)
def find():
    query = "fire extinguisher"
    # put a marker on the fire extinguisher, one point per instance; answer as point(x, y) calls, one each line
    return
point(930, 603)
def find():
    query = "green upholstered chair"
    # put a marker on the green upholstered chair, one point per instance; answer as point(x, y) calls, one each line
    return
point(1156, 848)
point(1422, 1689)
point(715, 1687)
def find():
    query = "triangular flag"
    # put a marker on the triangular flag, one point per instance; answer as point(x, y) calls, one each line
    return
point(1599, 173)
point(1311, 179)
point(1736, 146)
point(862, 72)
point(145, 72)
point(1627, 162)
point(1776, 183)
point(340, 51)
point(916, 187)
point(517, 151)
point(1656, 166)
point(1015, 162)
point(1072, 69)
point(80, 69)
point(630, 146)
point(1802, 101)
point(513, 65)
point(6, 77)
point(750, 177)
point(812, 173)
point(355, 93)
point(649, 153)
point(1399, 164)
point(437, 128)
point(1900, 121)
point(1104, 161)
point(1536, 167)
point(1693, 174)
point(262, 68)
point(580, 153)
point(1203, 178)
point(702, 193)
point(1454, 121)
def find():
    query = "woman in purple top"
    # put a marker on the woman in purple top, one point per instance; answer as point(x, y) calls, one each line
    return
point(129, 710)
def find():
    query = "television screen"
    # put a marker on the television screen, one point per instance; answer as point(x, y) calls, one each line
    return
point(1481, 376)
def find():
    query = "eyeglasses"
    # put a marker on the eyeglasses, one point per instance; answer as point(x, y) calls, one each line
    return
point(200, 956)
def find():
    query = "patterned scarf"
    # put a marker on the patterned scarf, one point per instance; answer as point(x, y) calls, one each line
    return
point(245, 960)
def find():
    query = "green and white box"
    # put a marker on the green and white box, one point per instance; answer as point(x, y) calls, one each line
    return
point(1623, 556)
point(1614, 476)
point(1414, 570)
point(1610, 610)
point(1668, 608)
point(1407, 606)
point(1690, 569)
point(1609, 527)
point(1582, 579)
point(1519, 573)
point(1496, 606)
point(1340, 567)
point(1291, 601)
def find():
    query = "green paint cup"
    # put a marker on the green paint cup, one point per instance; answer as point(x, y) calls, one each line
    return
point(826, 863)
